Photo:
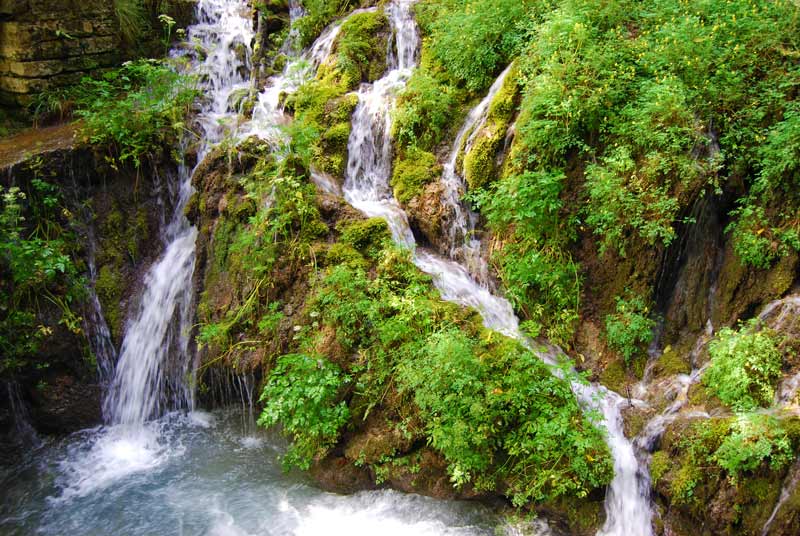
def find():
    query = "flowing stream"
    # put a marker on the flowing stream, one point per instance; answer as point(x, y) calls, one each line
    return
point(367, 188)
point(160, 467)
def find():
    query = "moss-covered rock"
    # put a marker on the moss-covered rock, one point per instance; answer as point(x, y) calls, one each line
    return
point(413, 169)
point(480, 161)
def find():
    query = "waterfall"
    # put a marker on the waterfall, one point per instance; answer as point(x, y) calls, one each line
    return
point(154, 363)
point(464, 246)
point(367, 188)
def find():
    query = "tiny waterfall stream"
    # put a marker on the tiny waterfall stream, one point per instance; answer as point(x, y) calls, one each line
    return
point(159, 466)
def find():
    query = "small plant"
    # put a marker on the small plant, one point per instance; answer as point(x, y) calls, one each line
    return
point(302, 394)
point(755, 438)
point(745, 365)
point(630, 328)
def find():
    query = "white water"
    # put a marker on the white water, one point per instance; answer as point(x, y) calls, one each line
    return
point(464, 245)
point(154, 363)
point(211, 477)
point(367, 189)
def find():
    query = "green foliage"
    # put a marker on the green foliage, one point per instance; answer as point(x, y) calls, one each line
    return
point(497, 412)
point(132, 109)
point(424, 111)
point(539, 275)
point(618, 204)
point(630, 329)
point(744, 367)
point(638, 93)
point(38, 272)
point(413, 169)
point(755, 438)
point(302, 393)
point(473, 39)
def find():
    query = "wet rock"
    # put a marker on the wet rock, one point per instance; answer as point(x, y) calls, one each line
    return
point(338, 475)
point(427, 215)
point(65, 405)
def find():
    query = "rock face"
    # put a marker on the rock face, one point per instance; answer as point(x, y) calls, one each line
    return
point(53, 43)
point(45, 43)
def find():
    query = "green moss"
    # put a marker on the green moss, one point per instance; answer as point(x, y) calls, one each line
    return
point(109, 288)
point(360, 49)
point(367, 236)
point(659, 465)
point(615, 376)
point(582, 516)
point(671, 363)
point(480, 161)
point(340, 253)
point(331, 153)
point(413, 169)
point(311, 101)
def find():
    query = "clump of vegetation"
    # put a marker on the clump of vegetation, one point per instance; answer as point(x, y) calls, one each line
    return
point(539, 274)
point(424, 111)
point(745, 365)
point(754, 439)
point(630, 329)
point(303, 395)
point(474, 39)
point(483, 403)
point(40, 273)
point(133, 110)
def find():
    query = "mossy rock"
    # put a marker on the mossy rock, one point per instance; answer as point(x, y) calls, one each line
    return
point(579, 516)
point(615, 376)
point(367, 236)
point(340, 253)
point(671, 362)
point(480, 162)
point(413, 169)
point(360, 49)
point(109, 287)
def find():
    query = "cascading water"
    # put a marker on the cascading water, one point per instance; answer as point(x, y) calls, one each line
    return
point(159, 331)
point(367, 189)
point(464, 246)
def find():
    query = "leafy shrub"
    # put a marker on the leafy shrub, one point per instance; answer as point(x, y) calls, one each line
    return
point(302, 394)
point(539, 275)
point(755, 438)
point(497, 412)
point(630, 328)
point(473, 39)
point(38, 269)
point(744, 367)
point(133, 109)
